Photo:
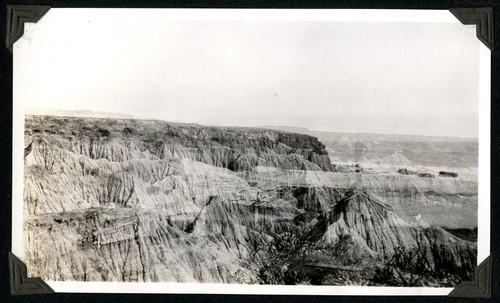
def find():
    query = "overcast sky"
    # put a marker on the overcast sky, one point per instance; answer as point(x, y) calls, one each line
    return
point(378, 77)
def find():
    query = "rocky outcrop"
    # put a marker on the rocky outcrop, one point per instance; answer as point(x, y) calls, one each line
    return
point(426, 175)
point(405, 171)
point(448, 174)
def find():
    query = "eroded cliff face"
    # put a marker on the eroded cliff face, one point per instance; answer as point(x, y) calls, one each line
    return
point(126, 200)
point(377, 231)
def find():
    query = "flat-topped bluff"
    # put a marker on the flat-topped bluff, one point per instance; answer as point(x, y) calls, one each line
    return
point(235, 148)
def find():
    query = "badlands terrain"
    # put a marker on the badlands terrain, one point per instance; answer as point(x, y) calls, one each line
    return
point(153, 201)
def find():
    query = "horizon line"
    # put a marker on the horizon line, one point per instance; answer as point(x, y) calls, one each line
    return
point(114, 115)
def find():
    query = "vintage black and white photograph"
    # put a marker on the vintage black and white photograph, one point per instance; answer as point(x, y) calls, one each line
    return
point(245, 147)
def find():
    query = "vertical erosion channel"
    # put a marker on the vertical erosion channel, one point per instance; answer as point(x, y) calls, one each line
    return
point(143, 256)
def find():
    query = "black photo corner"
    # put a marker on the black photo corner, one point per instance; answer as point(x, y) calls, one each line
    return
point(17, 287)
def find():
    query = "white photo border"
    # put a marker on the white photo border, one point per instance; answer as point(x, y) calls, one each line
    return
point(333, 15)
